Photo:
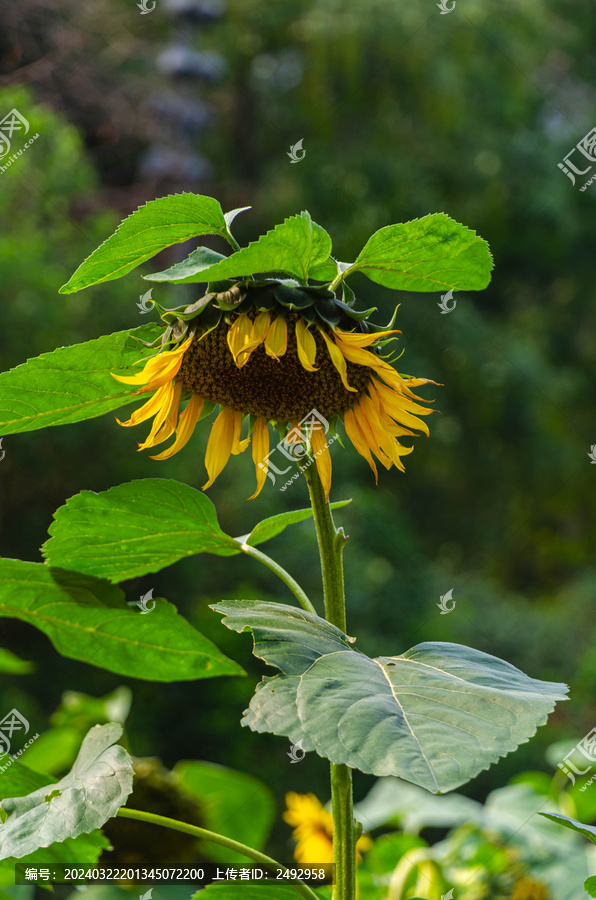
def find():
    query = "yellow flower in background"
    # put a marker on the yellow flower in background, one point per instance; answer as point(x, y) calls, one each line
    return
point(313, 830)
point(277, 365)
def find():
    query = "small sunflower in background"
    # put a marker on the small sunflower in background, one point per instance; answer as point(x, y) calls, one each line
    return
point(313, 830)
point(271, 353)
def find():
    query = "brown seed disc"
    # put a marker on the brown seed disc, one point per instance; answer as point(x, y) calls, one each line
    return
point(279, 389)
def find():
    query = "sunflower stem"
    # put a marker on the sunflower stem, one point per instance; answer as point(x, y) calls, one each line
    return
point(287, 579)
point(331, 544)
point(206, 835)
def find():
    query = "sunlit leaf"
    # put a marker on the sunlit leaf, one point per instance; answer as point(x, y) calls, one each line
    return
point(135, 528)
point(436, 715)
point(151, 228)
point(92, 792)
point(292, 248)
point(429, 254)
point(72, 383)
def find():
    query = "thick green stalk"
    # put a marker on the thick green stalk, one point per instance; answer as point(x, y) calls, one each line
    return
point(331, 543)
point(175, 825)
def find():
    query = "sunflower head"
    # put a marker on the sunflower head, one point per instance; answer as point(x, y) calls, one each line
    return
point(313, 830)
point(279, 353)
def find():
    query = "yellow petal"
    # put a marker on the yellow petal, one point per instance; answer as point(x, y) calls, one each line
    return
point(158, 436)
point(155, 368)
point(238, 337)
point(147, 410)
point(239, 446)
point(356, 435)
point(306, 346)
point(276, 341)
point(186, 426)
point(220, 443)
point(260, 450)
point(361, 357)
point(338, 360)
point(322, 456)
point(402, 408)
point(360, 339)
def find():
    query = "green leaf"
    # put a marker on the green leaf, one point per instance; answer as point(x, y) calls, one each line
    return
point(54, 751)
point(292, 248)
point(13, 665)
point(436, 715)
point(327, 270)
point(234, 804)
point(393, 801)
point(590, 886)
point(18, 779)
point(72, 383)
point(429, 254)
point(274, 525)
point(135, 528)
point(151, 228)
point(92, 792)
point(200, 260)
point(587, 831)
point(86, 619)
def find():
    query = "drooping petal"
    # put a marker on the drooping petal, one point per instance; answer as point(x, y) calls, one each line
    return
point(306, 346)
point(164, 423)
point(338, 360)
point(260, 451)
point(148, 409)
point(186, 425)
point(239, 446)
point(220, 443)
point(359, 339)
point(322, 456)
point(356, 436)
point(401, 408)
point(276, 342)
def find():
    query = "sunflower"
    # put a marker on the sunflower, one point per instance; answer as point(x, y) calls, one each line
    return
point(313, 830)
point(276, 353)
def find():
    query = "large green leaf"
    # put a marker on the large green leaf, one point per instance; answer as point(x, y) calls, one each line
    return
point(429, 254)
point(151, 228)
point(135, 528)
point(92, 792)
point(436, 715)
point(143, 526)
point(294, 247)
point(86, 619)
point(72, 383)
point(240, 890)
point(233, 804)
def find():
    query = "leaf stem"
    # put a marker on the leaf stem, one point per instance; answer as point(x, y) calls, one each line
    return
point(176, 825)
point(287, 579)
point(331, 543)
